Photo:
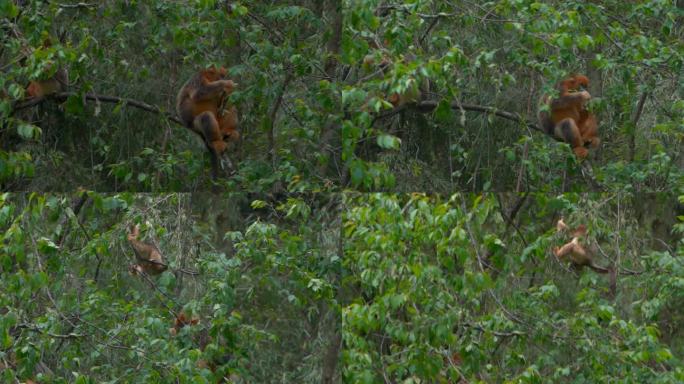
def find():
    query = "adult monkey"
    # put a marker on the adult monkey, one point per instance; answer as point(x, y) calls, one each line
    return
point(567, 117)
point(48, 84)
point(200, 105)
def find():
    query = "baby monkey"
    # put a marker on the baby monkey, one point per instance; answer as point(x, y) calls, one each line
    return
point(150, 260)
point(574, 251)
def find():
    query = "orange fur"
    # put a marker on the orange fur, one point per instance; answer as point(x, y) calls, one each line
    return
point(568, 119)
point(574, 251)
point(201, 106)
point(41, 88)
point(150, 260)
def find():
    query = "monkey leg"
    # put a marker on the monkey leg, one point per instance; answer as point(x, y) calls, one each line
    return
point(228, 125)
point(208, 126)
point(589, 130)
point(569, 100)
point(569, 248)
point(567, 130)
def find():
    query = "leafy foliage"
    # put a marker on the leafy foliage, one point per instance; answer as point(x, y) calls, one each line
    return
point(315, 80)
point(456, 291)
point(265, 299)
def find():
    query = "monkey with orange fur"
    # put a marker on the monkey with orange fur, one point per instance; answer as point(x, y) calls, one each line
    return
point(150, 260)
point(567, 117)
point(201, 338)
point(55, 84)
point(574, 251)
point(200, 105)
point(383, 65)
point(181, 321)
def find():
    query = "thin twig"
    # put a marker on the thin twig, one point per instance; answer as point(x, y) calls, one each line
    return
point(77, 5)
point(34, 328)
point(272, 117)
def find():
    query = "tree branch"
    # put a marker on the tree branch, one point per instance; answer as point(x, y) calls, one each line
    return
point(430, 105)
point(272, 118)
point(34, 328)
point(62, 96)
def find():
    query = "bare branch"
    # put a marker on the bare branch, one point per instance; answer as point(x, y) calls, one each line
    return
point(430, 105)
point(27, 103)
point(34, 328)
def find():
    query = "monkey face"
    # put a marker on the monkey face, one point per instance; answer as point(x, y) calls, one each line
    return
point(574, 83)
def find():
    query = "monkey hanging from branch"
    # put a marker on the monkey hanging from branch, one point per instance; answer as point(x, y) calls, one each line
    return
point(574, 251)
point(150, 259)
point(202, 106)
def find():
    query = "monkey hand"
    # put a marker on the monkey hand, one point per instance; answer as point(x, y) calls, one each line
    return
point(229, 86)
point(560, 225)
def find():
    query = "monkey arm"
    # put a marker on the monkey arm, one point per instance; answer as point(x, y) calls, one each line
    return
point(573, 248)
point(211, 91)
point(561, 226)
point(567, 100)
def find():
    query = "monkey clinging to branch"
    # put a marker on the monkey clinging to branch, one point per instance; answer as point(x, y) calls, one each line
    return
point(567, 117)
point(150, 260)
point(201, 105)
point(574, 251)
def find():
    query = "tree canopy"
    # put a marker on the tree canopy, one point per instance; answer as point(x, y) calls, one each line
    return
point(405, 199)
point(315, 85)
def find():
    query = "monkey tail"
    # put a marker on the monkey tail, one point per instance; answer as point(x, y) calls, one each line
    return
point(214, 164)
point(599, 269)
point(187, 271)
point(545, 122)
point(204, 125)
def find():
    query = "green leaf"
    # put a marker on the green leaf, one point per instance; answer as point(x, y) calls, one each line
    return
point(388, 141)
point(28, 131)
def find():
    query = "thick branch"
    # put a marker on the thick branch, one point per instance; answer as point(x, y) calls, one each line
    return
point(100, 98)
point(430, 105)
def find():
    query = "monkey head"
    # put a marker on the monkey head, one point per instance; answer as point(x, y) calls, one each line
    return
point(213, 73)
point(574, 83)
